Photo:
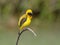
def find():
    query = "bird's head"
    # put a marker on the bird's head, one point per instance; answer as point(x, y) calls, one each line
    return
point(29, 12)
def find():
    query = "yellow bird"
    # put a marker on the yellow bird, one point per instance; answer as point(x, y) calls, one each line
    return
point(25, 19)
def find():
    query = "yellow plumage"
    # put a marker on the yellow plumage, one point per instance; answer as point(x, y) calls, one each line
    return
point(25, 19)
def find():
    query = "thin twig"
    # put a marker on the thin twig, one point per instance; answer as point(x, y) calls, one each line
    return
point(31, 31)
point(19, 33)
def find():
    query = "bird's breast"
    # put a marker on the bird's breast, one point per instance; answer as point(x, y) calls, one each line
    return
point(28, 21)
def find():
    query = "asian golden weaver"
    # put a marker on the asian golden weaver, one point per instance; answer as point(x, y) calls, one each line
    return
point(24, 21)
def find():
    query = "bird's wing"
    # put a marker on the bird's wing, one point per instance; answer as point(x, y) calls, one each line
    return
point(23, 16)
point(22, 21)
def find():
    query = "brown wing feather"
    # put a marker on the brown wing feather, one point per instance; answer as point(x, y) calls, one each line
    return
point(22, 21)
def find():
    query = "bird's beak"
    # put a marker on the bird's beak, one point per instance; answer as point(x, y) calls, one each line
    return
point(31, 31)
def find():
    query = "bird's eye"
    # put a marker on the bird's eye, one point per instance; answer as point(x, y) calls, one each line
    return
point(30, 14)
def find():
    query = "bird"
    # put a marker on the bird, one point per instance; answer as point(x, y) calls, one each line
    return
point(25, 19)
point(24, 22)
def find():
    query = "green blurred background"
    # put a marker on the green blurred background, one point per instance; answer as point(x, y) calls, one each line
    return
point(45, 22)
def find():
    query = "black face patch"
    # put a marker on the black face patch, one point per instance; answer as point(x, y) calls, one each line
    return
point(30, 14)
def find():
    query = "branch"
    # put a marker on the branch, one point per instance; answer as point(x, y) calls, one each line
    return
point(19, 33)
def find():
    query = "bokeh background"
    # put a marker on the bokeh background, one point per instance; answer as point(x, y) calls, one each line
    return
point(45, 22)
